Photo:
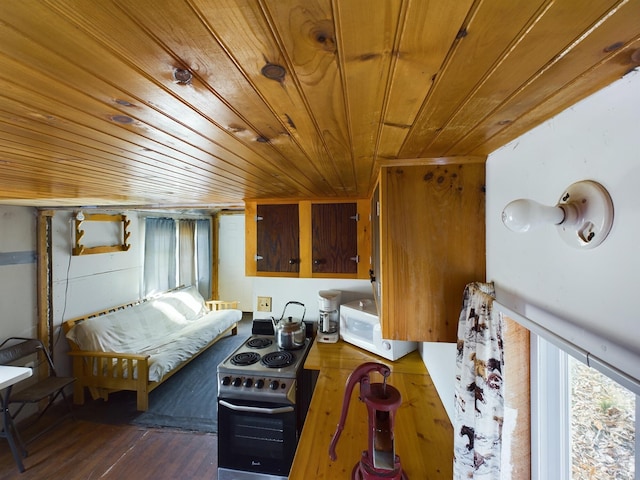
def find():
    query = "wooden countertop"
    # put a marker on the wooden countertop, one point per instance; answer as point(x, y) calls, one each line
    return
point(343, 355)
point(423, 434)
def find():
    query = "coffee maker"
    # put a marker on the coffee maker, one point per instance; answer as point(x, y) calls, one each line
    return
point(329, 320)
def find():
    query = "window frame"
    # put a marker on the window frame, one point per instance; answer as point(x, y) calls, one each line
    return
point(550, 411)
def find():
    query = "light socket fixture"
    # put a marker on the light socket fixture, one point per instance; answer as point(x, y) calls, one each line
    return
point(583, 215)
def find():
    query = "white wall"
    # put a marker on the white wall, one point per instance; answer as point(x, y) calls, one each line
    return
point(88, 283)
point(304, 290)
point(597, 139)
point(81, 284)
point(233, 284)
point(18, 307)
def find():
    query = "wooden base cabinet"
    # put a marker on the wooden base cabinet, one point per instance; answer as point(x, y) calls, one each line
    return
point(428, 227)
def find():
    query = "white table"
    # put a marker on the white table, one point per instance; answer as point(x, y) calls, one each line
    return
point(12, 375)
point(9, 376)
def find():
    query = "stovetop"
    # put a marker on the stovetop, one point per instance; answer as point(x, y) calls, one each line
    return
point(260, 354)
point(261, 370)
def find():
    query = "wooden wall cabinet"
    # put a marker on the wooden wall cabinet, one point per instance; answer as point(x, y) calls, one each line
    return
point(278, 238)
point(334, 238)
point(428, 224)
point(308, 239)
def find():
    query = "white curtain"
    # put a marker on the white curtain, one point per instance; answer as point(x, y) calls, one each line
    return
point(204, 257)
point(159, 255)
point(177, 252)
point(187, 249)
point(479, 396)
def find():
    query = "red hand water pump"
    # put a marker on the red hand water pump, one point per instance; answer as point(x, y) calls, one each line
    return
point(379, 461)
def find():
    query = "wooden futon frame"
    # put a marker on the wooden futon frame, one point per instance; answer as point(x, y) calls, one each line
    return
point(105, 372)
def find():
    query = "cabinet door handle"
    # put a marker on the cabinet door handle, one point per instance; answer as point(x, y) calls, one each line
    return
point(319, 261)
point(293, 261)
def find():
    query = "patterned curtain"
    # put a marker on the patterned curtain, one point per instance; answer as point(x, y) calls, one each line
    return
point(479, 398)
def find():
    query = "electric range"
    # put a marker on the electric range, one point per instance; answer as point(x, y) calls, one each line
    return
point(261, 409)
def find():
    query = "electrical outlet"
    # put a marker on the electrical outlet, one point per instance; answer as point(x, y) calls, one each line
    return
point(264, 304)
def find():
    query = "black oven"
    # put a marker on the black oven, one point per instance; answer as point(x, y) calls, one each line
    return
point(262, 402)
point(255, 437)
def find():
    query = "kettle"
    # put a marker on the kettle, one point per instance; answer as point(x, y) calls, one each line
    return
point(379, 461)
point(290, 333)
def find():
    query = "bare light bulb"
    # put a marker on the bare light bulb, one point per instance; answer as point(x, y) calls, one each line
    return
point(523, 215)
point(583, 215)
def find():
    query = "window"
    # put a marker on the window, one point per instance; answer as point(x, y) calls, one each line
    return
point(602, 425)
point(583, 423)
point(177, 252)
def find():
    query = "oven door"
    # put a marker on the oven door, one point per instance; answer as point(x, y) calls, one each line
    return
point(256, 436)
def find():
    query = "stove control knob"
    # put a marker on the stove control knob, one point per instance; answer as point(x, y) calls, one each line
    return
point(260, 383)
point(237, 382)
point(274, 385)
point(226, 381)
point(248, 382)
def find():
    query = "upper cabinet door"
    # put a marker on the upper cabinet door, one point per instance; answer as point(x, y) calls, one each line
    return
point(322, 239)
point(278, 238)
point(334, 238)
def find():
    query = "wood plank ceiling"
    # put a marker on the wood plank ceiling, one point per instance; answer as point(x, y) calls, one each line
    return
point(93, 112)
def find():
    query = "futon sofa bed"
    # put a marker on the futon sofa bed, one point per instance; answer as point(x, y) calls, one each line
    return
point(139, 345)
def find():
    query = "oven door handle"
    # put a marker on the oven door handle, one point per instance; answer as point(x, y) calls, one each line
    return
point(245, 408)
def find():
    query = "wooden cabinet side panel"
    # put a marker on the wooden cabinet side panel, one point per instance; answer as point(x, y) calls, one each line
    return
point(305, 239)
point(250, 239)
point(433, 244)
point(364, 238)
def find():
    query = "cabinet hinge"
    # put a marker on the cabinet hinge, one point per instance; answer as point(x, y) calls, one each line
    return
point(258, 257)
point(355, 217)
point(258, 218)
point(355, 259)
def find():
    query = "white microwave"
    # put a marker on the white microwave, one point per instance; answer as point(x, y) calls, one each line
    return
point(360, 326)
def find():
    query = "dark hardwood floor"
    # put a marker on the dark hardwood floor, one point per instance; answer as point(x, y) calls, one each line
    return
point(97, 446)
point(83, 450)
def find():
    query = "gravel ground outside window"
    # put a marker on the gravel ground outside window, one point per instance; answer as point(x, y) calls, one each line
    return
point(602, 426)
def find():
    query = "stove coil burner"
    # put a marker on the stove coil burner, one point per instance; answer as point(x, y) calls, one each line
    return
point(243, 359)
point(279, 359)
point(259, 342)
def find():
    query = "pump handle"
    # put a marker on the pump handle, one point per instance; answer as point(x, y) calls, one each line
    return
point(359, 375)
